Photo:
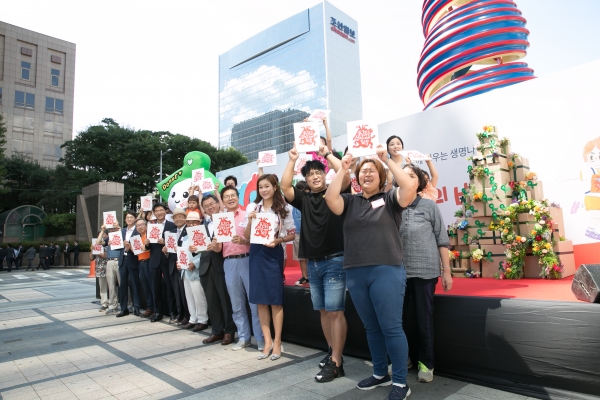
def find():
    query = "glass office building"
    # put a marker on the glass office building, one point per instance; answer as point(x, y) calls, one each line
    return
point(275, 78)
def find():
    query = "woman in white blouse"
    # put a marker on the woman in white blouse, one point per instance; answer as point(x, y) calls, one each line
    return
point(266, 261)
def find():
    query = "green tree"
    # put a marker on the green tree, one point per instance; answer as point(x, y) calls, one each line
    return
point(60, 224)
point(24, 180)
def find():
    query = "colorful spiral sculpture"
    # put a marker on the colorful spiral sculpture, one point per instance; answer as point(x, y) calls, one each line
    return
point(460, 33)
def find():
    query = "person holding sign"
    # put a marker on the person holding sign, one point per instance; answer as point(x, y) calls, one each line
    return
point(374, 262)
point(430, 192)
point(142, 261)
point(266, 260)
point(321, 242)
point(183, 314)
point(237, 270)
point(159, 267)
point(112, 269)
point(129, 270)
point(101, 268)
point(194, 293)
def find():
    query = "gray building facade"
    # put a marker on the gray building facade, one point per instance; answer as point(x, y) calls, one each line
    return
point(275, 78)
point(37, 83)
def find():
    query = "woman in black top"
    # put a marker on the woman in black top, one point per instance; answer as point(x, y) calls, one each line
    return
point(375, 272)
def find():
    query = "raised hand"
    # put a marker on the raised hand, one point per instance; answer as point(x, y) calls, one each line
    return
point(323, 150)
point(381, 153)
point(293, 153)
point(346, 162)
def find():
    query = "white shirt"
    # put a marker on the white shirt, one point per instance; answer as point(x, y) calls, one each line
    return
point(128, 233)
point(287, 226)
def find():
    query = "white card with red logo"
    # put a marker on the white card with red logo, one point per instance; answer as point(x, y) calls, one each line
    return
point(263, 228)
point(414, 155)
point(267, 158)
point(184, 257)
point(198, 237)
point(363, 138)
point(306, 135)
point(224, 226)
point(110, 219)
point(171, 242)
point(329, 176)
point(197, 175)
point(116, 240)
point(146, 203)
point(206, 185)
point(301, 162)
point(354, 183)
point(319, 115)
point(137, 246)
point(97, 249)
point(155, 232)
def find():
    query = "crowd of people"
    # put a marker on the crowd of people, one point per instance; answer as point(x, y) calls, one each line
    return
point(48, 256)
point(386, 244)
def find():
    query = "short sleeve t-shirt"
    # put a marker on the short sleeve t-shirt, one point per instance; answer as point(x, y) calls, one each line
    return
point(371, 226)
point(321, 233)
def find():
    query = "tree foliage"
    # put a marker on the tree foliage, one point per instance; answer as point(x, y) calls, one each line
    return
point(60, 224)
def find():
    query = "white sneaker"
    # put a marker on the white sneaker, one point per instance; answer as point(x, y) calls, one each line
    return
point(240, 345)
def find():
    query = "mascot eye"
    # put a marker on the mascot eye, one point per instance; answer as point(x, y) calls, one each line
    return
point(185, 195)
point(173, 195)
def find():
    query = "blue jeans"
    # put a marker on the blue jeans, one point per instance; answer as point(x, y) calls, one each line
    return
point(378, 296)
point(237, 279)
point(147, 284)
point(327, 284)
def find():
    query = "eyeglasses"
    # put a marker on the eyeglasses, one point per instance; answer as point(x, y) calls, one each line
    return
point(209, 205)
point(233, 196)
point(368, 171)
point(313, 173)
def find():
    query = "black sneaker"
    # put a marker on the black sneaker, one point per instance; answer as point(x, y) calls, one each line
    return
point(372, 382)
point(326, 360)
point(399, 393)
point(301, 282)
point(330, 372)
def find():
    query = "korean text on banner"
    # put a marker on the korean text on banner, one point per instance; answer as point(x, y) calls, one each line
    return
point(184, 257)
point(197, 175)
point(198, 237)
point(97, 249)
point(306, 135)
point(267, 158)
point(171, 242)
point(206, 185)
point(155, 232)
point(137, 245)
point(146, 203)
point(116, 240)
point(263, 228)
point(110, 219)
point(362, 138)
point(224, 226)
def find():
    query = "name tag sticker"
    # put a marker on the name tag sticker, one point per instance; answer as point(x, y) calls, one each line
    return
point(377, 203)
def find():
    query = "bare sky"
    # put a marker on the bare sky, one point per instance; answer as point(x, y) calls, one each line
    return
point(154, 64)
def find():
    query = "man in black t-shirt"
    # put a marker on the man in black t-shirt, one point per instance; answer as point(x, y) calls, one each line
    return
point(322, 244)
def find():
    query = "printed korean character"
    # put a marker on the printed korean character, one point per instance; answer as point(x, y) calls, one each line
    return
point(454, 153)
point(333, 21)
point(462, 151)
point(352, 33)
point(442, 195)
point(444, 156)
point(346, 30)
point(435, 156)
point(470, 149)
point(340, 26)
point(458, 194)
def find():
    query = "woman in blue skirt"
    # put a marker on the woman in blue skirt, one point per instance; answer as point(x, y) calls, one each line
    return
point(266, 261)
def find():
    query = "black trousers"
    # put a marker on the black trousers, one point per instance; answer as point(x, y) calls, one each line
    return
point(219, 303)
point(179, 295)
point(130, 277)
point(418, 305)
point(76, 259)
point(67, 260)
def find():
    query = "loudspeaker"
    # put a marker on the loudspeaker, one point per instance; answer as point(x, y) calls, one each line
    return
point(586, 283)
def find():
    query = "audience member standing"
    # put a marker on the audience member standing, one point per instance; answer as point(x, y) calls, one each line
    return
point(76, 253)
point(113, 278)
point(30, 253)
point(144, 268)
point(212, 278)
point(66, 251)
point(48, 253)
point(51, 256)
point(2, 258)
point(297, 216)
point(57, 253)
point(10, 256)
point(374, 262)
point(237, 274)
point(101, 268)
point(20, 254)
point(129, 269)
point(183, 314)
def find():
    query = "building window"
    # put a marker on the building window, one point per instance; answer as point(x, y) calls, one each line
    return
point(54, 105)
point(55, 75)
point(23, 99)
point(25, 70)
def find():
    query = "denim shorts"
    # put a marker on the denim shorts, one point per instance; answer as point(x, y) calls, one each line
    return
point(327, 284)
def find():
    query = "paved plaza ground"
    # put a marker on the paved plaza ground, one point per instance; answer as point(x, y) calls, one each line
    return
point(54, 344)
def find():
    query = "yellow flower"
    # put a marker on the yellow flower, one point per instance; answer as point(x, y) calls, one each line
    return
point(505, 230)
point(536, 208)
point(548, 246)
point(533, 232)
point(518, 238)
point(508, 270)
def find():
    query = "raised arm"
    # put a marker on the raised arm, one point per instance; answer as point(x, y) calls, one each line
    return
point(433, 172)
point(288, 175)
point(335, 164)
point(406, 191)
point(260, 169)
point(332, 195)
point(218, 196)
point(327, 134)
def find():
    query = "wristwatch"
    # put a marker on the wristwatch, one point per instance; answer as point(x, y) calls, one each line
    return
point(327, 154)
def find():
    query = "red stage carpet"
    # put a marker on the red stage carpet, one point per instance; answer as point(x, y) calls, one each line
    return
point(535, 289)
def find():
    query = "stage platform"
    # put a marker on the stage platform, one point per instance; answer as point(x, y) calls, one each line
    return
point(528, 336)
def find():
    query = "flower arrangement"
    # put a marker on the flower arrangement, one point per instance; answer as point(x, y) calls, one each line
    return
point(472, 274)
point(454, 254)
point(477, 196)
point(532, 176)
point(511, 160)
point(459, 213)
point(477, 255)
point(477, 172)
point(503, 142)
point(517, 244)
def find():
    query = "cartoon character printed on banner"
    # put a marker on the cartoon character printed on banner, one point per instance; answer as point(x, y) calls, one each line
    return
point(591, 179)
point(174, 189)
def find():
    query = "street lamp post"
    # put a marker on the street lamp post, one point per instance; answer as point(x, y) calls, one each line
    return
point(161, 156)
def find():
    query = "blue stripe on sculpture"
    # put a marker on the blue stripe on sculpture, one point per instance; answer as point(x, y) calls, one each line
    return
point(460, 33)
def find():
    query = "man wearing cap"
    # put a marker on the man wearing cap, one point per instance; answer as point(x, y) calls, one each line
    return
point(212, 277)
point(183, 315)
point(196, 300)
point(237, 273)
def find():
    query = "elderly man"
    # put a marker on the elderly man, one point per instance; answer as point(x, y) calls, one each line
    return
point(183, 314)
point(112, 273)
